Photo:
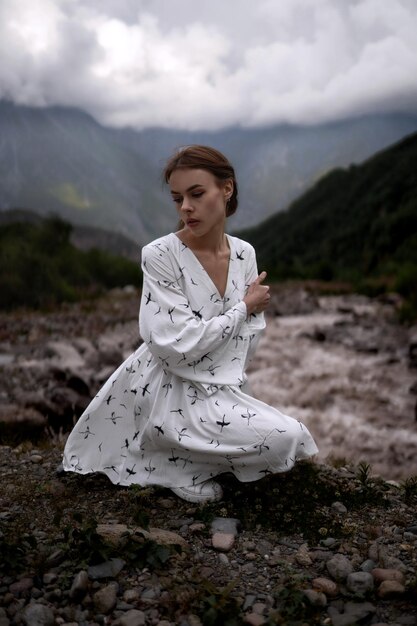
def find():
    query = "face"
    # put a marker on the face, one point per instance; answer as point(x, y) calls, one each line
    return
point(200, 199)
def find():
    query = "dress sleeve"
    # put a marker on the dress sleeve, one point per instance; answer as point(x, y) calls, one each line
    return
point(197, 349)
point(256, 322)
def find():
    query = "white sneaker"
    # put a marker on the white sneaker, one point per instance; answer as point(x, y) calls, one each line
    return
point(209, 491)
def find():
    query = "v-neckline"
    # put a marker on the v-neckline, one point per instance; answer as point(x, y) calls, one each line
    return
point(229, 241)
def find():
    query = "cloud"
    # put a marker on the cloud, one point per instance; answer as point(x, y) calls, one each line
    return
point(209, 65)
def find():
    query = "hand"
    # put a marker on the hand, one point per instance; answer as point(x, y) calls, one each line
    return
point(257, 297)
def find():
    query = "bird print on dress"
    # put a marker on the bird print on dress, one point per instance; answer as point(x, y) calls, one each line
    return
point(175, 412)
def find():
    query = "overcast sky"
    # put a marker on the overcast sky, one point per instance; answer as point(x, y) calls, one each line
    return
point(208, 64)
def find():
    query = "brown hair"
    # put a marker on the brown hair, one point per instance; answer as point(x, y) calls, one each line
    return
point(204, 158)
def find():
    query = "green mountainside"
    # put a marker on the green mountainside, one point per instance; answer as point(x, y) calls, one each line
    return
point(357, 224)
point(40, 266)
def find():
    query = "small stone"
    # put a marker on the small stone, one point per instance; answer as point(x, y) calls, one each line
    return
point(303, 557)
point(223, 559)
point(330, 542)
point(134, 617)
point(339, 567)
point(259, 608)
point(105, 599)
point(249, 569)
point(325, 585)
point(79, 586)
point(227, 525)
point(381, 574)
point(223, 541)
point(22, 585)
point(131, 595)
point(410, 537)
point(254, 619)
point(165, 537)
point(392, 562)
point(206, 571)
point(8, 598)
point(197, 527)
point(316, 598)
point(151, 593)
point(108, 569)
point(390, 589)
point(360, 583)
point(249, 600)
point(38, 615)
point(49, 577)
point(167, 503)
point(373, 552)
point(412, 529)
point(353, 612)
point(4, 620)
point(338, 507)
point(36, 458)
point(321, 555)
point(55, 558)
point(368, 565)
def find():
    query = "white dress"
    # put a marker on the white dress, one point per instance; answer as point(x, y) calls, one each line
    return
point(175, 413)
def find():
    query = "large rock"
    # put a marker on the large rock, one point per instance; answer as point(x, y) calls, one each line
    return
point(117, 534)
point(38, 615)
point(339, 567)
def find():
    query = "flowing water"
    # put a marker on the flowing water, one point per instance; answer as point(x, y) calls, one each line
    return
point(343, 369)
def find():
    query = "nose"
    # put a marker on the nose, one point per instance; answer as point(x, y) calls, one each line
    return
point(186, 205)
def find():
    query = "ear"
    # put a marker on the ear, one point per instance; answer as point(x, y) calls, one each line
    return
point(228, 187)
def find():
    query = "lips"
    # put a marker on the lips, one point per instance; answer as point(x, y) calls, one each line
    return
point(192, 223)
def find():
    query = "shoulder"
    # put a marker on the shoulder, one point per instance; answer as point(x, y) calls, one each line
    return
point(240, 245)
point(160, 257)
point(160, 247)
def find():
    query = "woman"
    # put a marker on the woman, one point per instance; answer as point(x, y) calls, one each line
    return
point(177, 413)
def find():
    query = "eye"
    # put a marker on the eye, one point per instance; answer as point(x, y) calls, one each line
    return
point(197, 194)
point(177, 200)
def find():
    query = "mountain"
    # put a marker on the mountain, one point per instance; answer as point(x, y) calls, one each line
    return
point(276, 165)
point(354, 223)
point(61, 160)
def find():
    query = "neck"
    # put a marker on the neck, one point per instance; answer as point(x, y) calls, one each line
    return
point(214, 242)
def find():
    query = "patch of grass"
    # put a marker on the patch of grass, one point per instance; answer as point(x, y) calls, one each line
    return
point(293, 608)
point(300, 500)
point(16, 551)
point(82, 543)
point(217, 606)
point(409, 489)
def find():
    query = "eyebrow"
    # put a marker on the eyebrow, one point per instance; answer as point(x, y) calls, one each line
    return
point(189, 189)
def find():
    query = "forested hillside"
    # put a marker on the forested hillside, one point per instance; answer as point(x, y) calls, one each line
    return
point(41, 267)
point(357, 224)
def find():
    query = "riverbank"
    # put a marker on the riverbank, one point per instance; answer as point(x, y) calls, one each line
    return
point(319, 545)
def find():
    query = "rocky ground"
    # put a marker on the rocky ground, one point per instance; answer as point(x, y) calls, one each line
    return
point(327, 543)
point(319, 545)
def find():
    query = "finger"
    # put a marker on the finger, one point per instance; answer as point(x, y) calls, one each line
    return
point(260, 278)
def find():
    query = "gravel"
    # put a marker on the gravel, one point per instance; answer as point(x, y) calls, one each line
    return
point(262, 576)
